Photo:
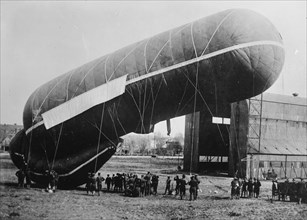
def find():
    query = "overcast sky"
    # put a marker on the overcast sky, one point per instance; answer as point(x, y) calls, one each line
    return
point(42, 40)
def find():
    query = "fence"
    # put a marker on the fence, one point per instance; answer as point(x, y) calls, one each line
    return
point(276, 166)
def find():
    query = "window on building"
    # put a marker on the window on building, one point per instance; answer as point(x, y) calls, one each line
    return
point(219, 120)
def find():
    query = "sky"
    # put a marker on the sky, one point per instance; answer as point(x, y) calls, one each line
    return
point(42, 40)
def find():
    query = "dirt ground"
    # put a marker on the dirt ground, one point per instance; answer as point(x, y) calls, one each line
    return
point(213, 203)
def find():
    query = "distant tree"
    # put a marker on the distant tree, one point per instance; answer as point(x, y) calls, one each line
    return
point(143, 143)
point(161, 151)
point(174, 147)
point(177, 148)
point(179, 137)
point(160, 142)
point(129, 142)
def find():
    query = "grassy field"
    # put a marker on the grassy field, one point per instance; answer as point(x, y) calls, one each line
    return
point(213, 203)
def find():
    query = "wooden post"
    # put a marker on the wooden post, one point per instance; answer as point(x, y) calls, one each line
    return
point(191, 154)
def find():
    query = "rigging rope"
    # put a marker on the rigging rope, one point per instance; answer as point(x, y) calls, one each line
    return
point(194, 115)
point(33, 119)
point(98, 144)
point(304, 169)
point(57, 145)
point(115, 129)
point(44, 149)
point(137, 107)
point(204, 101)
point(144, 104)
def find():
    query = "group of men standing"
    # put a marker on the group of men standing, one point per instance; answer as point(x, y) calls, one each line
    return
point(94, 184)
point(295, 190)
point(24, 180)
point(135, 186)
point(129, 183)
point(143, 186)
point(181, 186)
point(52, 179)
point(248, 189)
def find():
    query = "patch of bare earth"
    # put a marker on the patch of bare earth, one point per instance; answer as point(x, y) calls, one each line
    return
point(213, 203)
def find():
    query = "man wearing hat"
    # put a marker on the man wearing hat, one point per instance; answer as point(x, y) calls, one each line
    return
point(99, 181)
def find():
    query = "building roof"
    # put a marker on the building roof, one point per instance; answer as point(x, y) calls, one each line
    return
point(277, 98)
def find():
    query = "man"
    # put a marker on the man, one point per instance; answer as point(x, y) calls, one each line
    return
point(88, 183)
point(108, 182)
point(300, 190)
point(99, 181)
point(283, 188)
point(148, 184)
point(197, 187)
point(143, 186)
point(124, 179)
point(177, 180)
point(137, 187)
point(182, 188)
point(120, 182)
point(53, 179)
point(257, 185)
point(27, 176)
point(130, 186)
point(155, 182)
point(113, 182)
point(193, 188)
point(21, 177)
point(274, 189)
point(117, 183)
point(234, 187)
point(250, 188)
point(93, 184)
point(50, 182)
point(244, 188)
point(254, 184)
point(49, 187)
point(168, 185)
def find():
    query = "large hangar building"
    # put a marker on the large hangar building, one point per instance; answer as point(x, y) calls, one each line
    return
point(262, 137)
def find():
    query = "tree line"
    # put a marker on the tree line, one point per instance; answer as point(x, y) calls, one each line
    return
point(152, 144)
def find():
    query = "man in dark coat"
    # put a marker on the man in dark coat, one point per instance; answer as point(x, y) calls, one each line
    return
point(54, 179)
point(168, 185)
point(193, 188)
point(113, 182)
point(137, 187)
point(143, 186)
point(93, 184)
point(99, 181)
point(88, 183)
point(235, 188)
point(21, 177)
point(244, 188)
point(300, 190)
point(177, 180)
point(250, 188)
point(155, 182)
point(148, 184)
point(108, 182)
point(274, 188)
point(182, 188)
point(257, 185)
